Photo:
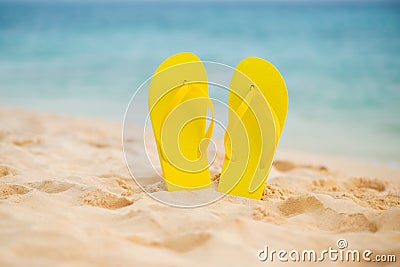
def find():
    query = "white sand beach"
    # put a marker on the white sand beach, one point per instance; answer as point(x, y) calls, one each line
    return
point(67, 199)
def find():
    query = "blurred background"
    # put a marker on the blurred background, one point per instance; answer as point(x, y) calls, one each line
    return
point(340, 60)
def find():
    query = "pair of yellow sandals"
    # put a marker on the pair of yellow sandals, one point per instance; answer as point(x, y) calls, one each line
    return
point(178, 103)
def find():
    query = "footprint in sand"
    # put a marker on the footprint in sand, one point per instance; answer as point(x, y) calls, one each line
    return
point(284, 166)
point(374, 184)
point(338, 222)
point(7, 190)
point(186, 242)
point(372, 192)
point(51, 186)
point(357, 222)
point(107, 200)
point(327, 219)
point(28, 141)
point(326, 185)
point(302, 204)
point(5, 170)
point(179, 243)
point(98, 144)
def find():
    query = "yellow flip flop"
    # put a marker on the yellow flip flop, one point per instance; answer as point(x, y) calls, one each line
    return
point(178, 103)
point(258, 102)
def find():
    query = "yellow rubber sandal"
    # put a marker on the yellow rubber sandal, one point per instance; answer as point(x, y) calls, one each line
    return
point(178, 103)
point(258, 102)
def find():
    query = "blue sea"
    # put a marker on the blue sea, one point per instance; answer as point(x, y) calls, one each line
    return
point(341, 62)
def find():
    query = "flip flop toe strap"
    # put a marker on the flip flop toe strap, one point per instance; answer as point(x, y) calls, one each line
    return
point(251, 97)
point(183, 91)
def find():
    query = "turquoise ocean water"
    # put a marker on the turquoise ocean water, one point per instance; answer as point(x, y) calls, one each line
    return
point(341, 62)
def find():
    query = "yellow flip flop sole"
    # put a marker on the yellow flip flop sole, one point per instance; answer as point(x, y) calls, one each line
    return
point(258, 102)
point(178, 102)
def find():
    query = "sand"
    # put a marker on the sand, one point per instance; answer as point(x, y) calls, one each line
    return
point(67, 199)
